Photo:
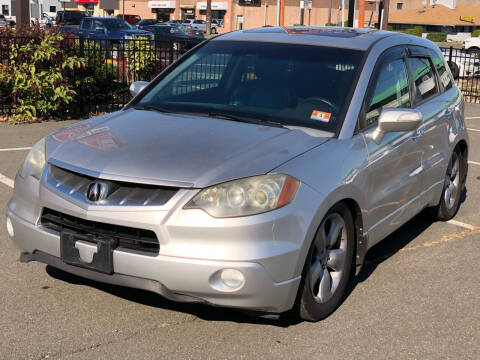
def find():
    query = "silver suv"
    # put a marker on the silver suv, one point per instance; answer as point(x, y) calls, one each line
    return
point(200, 25)
point(255, 172)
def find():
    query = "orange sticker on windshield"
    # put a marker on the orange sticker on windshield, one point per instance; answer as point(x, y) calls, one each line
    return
point(320, 115)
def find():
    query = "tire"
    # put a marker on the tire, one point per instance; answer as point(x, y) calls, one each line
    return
point(452, 187)
point(326, 275)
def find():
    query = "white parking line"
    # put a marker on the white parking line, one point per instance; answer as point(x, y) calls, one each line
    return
point(461, 224)
point(473, 162)
point(5, 180)
point(472, 117)
point(16, 149)
point(473, 129)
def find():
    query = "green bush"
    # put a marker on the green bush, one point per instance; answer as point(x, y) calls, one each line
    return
point(37, 78)
point(141, 58)
point(390, 27)
point(476, 33)
point(437, 37)
point(416, 30)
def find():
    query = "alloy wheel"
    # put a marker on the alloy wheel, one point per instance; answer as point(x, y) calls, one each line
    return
point(452, 181)
point(328, 258)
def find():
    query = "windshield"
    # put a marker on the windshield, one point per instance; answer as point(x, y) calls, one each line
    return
point(297, 85)
point(117, 24)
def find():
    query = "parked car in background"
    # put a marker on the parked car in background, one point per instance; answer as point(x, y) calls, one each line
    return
point(175, 22)
point(169, 33)
point(463, 65)
point(471, 44)
point(110, 32)
point(255, 173)
point(188, 29)
point(131, 19)
point(69, 19)
point(3, 23)
point(200, 25)
point(146, 22)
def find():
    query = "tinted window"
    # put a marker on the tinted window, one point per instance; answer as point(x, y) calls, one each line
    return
point(444, 75)
point(390, 91)
point(290, 84)
point(423, 78)
point(86, 24)
point(117, 24)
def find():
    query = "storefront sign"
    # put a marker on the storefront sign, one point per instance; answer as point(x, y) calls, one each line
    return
point(250, 2)
point(161, 4)
point(467, 18)
point(215, 5)
point(86, 1)
point(305, 4)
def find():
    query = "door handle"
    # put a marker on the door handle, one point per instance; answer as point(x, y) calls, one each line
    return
point(418, 133)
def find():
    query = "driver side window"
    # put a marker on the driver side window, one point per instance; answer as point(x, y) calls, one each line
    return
point(391, 90)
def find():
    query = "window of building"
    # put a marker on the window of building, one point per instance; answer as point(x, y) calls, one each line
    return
point(5, 10)
point(399, 6)
point(423, 78)
point(53, 9)
point(391, 91)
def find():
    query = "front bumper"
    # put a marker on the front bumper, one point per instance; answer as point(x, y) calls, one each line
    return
point(177, 279)
point(268, 249)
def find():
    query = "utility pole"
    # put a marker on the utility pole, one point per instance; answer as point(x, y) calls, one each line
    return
point(22, 13)
point(282, 13)
point(351, 11)
point(361, 13)
point(209, 17)
point(386, 8)
point(329, 12)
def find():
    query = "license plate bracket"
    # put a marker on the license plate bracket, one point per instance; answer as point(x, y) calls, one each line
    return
point(102, 260)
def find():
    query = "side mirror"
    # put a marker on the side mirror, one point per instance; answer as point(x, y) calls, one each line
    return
point(396, 120)
point(137, 86)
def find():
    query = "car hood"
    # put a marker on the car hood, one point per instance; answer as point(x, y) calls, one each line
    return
point(173, 149)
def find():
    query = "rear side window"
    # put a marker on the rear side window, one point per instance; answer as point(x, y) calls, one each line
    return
point(443, 74)
point(390, 91)
point(423, 78)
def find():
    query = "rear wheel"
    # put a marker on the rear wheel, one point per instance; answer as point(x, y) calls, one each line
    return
point(328, 265)
point(452, 187)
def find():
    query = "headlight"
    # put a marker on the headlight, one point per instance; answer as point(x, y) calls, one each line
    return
point(34, 162)
point(247, 196)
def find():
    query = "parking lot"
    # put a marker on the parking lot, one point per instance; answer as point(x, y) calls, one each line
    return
point(417, 297)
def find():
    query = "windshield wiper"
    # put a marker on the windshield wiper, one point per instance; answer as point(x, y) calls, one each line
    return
point(149, 108)
point(244, 120)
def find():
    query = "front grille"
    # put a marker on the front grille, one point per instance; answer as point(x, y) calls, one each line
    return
point(142, 240)
point(75, 185)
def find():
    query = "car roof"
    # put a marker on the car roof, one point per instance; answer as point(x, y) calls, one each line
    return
point(358, 39)
point(101, 18)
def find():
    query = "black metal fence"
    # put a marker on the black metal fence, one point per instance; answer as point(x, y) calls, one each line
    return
point(465, 66)
point(113, 66)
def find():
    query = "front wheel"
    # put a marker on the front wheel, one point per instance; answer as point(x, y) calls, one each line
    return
point(328, 265)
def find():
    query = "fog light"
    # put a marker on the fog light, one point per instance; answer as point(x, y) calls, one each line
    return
point(232, 278)
point(10, 227)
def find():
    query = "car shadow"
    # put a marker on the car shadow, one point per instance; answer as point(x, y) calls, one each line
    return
point(393, 243)
point(375, 256)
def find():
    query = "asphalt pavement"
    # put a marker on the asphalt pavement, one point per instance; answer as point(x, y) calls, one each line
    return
point(418, 297)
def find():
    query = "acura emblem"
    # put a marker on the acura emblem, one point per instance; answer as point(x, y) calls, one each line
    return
point(97, 191)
